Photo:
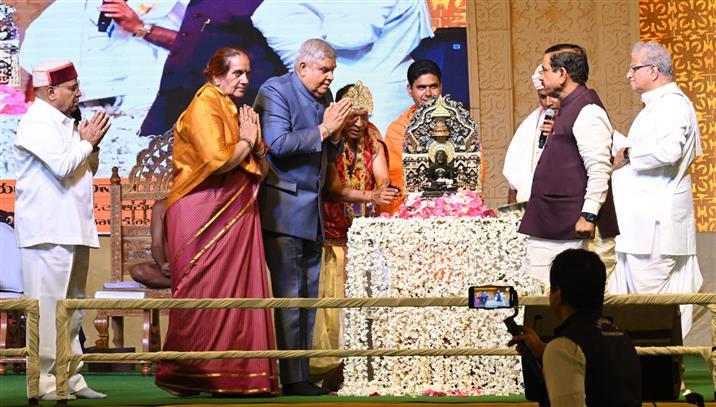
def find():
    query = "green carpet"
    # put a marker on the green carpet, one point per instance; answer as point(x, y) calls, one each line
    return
point(136, 390)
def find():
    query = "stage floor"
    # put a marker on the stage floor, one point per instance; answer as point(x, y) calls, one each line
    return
point(136, 390)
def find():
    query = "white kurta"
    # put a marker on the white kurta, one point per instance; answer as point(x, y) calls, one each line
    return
point(54, 168)
point(656, 250)
point(373, 40)
point(54, 219)
point(522, 155)
point(110, 64)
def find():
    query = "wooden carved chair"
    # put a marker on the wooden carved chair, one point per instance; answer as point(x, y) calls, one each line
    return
point(12, 335)
point(130, 218)
point(12, 323)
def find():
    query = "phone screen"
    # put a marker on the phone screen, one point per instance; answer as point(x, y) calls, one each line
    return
point(492, 297)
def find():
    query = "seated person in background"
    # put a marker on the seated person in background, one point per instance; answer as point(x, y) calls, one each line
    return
point(590, 362)
point(524, 150)
point(355, 182)
point(10, 268)
point(155, 274)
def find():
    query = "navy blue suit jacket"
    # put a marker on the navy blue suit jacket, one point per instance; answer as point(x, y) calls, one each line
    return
point(290, 199)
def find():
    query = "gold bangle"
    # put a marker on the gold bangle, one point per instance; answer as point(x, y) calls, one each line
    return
point(249, 142)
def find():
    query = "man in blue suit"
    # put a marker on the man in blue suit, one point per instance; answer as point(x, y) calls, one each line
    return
point(301, 125)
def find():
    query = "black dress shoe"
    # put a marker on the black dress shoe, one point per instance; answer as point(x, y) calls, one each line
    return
point(303, 389)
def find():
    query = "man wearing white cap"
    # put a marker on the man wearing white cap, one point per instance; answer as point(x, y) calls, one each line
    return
point(55, 159)
point(525, 147)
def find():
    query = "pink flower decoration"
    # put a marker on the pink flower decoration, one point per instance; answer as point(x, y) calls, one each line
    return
point(434, 393)
point(466, 203)
point(12, 101)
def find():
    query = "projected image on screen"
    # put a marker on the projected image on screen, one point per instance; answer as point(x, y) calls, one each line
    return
point(145, 82)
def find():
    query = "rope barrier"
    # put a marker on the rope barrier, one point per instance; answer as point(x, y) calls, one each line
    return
point(204, 303)
point(66, 307)
point(289, 354)
point(29, 307)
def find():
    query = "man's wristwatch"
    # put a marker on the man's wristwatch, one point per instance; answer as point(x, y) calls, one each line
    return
point(589, 217)
point(144, 30)
point(626, 153)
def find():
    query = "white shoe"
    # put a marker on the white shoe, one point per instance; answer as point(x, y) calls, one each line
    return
point(53, 396)
point(88, 393)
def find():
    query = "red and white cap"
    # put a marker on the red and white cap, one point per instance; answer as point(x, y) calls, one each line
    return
point(53, 73)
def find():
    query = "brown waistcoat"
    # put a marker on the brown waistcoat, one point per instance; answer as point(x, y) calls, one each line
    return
point(560, 180)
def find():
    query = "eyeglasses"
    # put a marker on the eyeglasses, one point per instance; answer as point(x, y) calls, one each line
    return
point(635, 68)
point(73, 89)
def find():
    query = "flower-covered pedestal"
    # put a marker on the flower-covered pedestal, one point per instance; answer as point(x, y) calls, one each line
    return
point(425, 256)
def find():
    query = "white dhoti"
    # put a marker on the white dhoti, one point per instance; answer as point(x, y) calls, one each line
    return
point(51, 273)
point(655, 274)
point(541, 252)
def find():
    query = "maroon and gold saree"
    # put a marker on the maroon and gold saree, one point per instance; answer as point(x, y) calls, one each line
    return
point(216, 251)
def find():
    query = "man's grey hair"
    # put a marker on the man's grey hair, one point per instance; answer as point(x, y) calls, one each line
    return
point(655, 54)
point(314, 49)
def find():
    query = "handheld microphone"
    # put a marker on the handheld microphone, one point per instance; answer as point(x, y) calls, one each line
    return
point(548, 115)
point(103, 22)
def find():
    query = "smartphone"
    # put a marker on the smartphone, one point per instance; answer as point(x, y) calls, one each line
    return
point(492, 297)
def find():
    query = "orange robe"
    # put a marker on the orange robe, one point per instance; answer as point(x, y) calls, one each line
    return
point(394, 140)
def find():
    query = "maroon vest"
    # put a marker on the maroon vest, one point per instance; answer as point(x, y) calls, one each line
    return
point(560, 180)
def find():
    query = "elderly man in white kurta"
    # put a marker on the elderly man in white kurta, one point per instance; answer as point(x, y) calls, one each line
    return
point(55, 160)
point(656, 251)
point(524, 150)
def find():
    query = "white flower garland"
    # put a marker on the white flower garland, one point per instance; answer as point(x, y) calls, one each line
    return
point(436, 257)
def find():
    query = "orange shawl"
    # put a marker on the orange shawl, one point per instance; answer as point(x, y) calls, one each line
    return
point(204, 139)
point(394, 140)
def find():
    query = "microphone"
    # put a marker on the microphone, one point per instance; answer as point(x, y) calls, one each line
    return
point(548, 115)
point(103, 22)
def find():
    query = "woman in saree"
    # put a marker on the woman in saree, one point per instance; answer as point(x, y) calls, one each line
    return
point(214, 238)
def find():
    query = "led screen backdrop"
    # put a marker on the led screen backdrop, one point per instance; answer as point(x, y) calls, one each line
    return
point(145, 86)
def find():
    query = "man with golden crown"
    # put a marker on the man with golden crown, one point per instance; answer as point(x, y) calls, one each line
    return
point(356, 182)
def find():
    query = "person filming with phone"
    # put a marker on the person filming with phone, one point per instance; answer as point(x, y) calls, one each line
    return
point(590, 362)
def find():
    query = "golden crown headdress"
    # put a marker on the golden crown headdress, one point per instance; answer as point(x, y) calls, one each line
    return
point(361, 97)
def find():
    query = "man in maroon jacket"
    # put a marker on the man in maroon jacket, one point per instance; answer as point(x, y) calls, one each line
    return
point(571, 200)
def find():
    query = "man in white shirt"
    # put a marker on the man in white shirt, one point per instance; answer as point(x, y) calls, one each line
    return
point(55, 160)
point(124, 62)
point(656, 251)
point(525, 149)
point(570, 201)
point(590, 362)
point(373, 40)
